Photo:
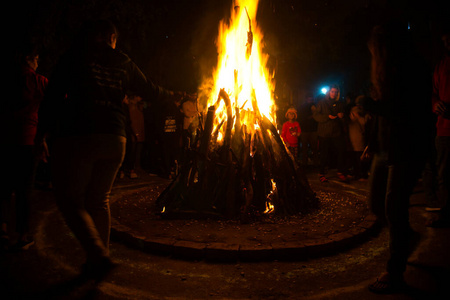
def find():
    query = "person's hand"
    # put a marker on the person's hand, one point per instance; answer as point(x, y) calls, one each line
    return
point(332, 117)
point(440, 108)
point(366, 155)
point(177, 97)
point(189, 109)
point(340, 115)
point(313, 108)
point(42, 152)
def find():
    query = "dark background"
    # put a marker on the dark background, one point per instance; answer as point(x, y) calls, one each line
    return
point(310, 43)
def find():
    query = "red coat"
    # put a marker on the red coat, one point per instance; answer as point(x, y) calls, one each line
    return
point(290, 133)
point(21, 113)
point(441, 92)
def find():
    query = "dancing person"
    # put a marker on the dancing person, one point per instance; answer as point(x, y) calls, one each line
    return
point(83, 111)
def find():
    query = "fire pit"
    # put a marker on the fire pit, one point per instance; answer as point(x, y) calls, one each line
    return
point(235, 164)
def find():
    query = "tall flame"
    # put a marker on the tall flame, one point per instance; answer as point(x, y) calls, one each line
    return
point(241, 71)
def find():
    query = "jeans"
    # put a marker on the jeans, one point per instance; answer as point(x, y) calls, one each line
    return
point(391, 185)
point(84, 169)
point(443, 173)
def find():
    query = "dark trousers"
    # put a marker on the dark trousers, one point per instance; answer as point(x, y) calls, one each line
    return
point(443, 173)
point(360, 168)
point(332, 152)
point(19, 169)
point(390, 188)
point(309, 141)
point(84, 169)
point(132, 160)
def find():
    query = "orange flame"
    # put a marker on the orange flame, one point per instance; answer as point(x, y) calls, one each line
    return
point(270, 208)
point(241, 71)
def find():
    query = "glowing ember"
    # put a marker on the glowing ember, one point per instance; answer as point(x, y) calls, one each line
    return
point(241, 71)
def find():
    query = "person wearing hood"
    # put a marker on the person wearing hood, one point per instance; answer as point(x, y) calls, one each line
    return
point(329, 114)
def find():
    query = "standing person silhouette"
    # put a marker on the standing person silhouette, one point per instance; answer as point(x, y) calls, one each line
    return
point(401, 109)
point(329, 114)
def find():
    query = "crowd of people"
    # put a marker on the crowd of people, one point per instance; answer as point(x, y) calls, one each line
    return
point(101, 119)
point(330, 133)
point(392, 130)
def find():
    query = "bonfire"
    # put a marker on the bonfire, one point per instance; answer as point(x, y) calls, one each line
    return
point(234, 162)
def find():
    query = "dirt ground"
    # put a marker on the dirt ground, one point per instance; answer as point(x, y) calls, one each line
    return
point(338, 211)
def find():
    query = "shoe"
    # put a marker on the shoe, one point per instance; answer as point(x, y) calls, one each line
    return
point(98, 270)
point(22, 245)
point(133, 174)
point(387, 286)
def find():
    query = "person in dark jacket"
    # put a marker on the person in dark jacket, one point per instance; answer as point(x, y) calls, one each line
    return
point(329, 114)
point(402, 118)
point(84, 113)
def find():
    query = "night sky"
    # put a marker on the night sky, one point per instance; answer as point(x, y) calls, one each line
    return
point(310, 43)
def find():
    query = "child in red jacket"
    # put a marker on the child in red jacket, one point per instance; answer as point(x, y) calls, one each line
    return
point(291, 132)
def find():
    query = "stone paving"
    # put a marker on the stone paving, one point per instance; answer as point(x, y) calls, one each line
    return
point(245, 250)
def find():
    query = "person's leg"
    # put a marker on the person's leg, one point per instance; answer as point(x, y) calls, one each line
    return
point(401, 181)
point(305, 138)
point(402, 238)
point(110, 150)
point(314, 148)
point(388, 202)
point(377, 185)
point(73, 163)
point(357, 164)
point(340, 148)
point(25, 167)
point(6, 190)
point(443, 180)
point(325, 145)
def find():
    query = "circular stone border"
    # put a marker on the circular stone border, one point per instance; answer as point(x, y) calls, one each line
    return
point(218, 251)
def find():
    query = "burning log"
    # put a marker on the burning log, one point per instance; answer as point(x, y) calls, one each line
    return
point(248, 172)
